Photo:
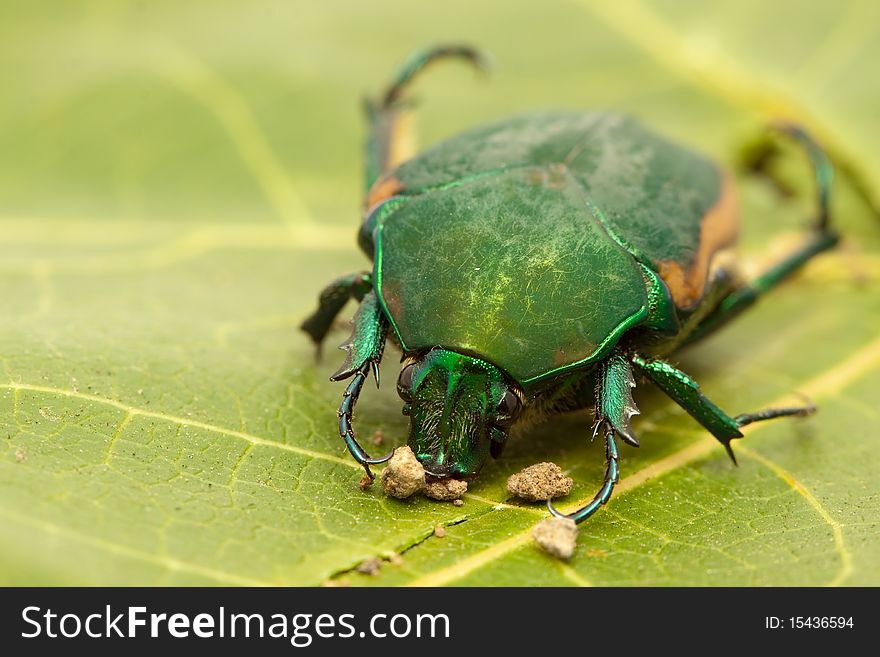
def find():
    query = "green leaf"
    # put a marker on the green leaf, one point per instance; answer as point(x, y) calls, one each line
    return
point(177, 183)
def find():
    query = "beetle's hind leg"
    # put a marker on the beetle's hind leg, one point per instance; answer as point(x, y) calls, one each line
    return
point(760, 155)
point(333, 298)
point(822, 237)
point(387, 141)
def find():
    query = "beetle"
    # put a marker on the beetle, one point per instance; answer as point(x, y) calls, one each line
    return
point(539, 265)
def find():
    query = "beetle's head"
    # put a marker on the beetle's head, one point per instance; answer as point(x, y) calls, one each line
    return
point(460, 409)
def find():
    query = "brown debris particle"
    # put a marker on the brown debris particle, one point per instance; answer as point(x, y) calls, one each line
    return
point(369, 566)
point(20, 454)
point(395, 559)
point(539, 483)
point(556, 536)
point(445, 489)
point(365, 482)
point(457, 502)
point(404, 475)
point(378, 437)
point(439, 531)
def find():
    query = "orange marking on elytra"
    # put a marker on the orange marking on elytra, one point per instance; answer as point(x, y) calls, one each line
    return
point(718, 230)
point(383, 189)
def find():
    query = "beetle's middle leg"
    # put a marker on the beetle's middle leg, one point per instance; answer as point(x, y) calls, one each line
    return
point(822, 238)
point(333, 298)
point(687, 394)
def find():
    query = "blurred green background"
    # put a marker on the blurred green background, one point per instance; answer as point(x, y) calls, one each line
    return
point(179, 179)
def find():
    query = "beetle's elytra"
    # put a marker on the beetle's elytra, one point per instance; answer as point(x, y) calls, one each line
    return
point(535, 266)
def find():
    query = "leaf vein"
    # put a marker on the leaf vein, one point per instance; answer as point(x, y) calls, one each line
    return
point(857, 365)
point(170, 563)
point(182, 421)
point(846, 558)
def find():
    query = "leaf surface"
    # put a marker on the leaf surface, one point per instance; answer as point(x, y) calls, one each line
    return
point(178, 182)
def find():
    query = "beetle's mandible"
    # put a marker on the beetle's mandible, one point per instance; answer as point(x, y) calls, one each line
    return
point(537, 265)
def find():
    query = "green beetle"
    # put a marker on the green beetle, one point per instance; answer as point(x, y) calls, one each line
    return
point(535, 266)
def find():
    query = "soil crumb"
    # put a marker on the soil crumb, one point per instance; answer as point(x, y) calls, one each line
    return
point(556, 536)
point(457, 502)
point(365, 482)
point(378, 437)
point(370, 566)
point(439, 531)
point(445, 489)
point(539, 483)
point(404, 475)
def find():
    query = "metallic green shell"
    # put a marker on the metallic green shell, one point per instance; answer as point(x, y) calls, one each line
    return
point(520, 242)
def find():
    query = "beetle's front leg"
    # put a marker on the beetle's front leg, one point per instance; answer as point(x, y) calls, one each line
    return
point(364, 353)
point(614, 411)
point(612, 474)
point(333, 298)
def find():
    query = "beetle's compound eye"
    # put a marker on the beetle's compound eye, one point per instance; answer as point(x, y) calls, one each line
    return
point(508, 409)
point(404, 382)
